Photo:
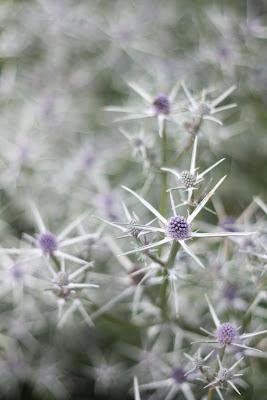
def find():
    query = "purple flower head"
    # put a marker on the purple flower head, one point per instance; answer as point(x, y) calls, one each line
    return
point(24, 153)
point(88, 158)
point(48, 105)
point(178, 375)
point(178, 228)
point(224, 53)
point(47, 242)
point(108, 203)
point(226, 333)
point(16, 272)
point(138, 142)
point(228, 223)
point(124, 33)
point(162, 105)
point(229, 292)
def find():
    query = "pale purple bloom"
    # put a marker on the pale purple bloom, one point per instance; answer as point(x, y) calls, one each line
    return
point(227, 334)
point(161, 107)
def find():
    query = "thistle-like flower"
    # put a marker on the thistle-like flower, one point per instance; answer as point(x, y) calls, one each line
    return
point(46, 244)
point(225, 376)
point(65, 288)
point(226, 333)
point(198, 362)
point(161, 107)
point(141, 147)
point(204, 110)
point(178, 228)
point(131, 227)
point(104, 370)
point(189, 179)
point(17, 277)
point(175, 383)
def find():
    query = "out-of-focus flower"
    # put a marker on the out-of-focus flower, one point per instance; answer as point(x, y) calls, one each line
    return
point(161, 107)
point(225, 376)
point(64, 287)
point(175, 380)
point(49, 245)
point(203, 109)
point(198, 362)
point(142, 147)
point(227, 334)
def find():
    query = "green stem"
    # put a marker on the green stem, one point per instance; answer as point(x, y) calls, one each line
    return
point(210, 393)
point(222, 351)
point(155, 259)
point(172, 255)
point(163, 183)
point(56, 262)
point(186, 147)
point(151, 256)
point(163, 292)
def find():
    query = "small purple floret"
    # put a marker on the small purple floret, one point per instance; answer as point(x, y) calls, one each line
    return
point(162, 105)
point(178, 375)
point(228, 223)
point(16, 272)
point(177, 228)
point(88, 158)
point(229, 292)
point(226, 333)
point(47, 242)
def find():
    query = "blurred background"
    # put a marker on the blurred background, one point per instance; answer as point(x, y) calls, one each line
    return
point(61, 63)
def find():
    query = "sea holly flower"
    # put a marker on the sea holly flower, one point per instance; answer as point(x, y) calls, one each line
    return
point(226, 333)
point(131, 227)
point(225, 376)
point(203, 109)
point(189, 179)
point(176, 382)
point(17, 278)
point(168, 372)
point(141, 147)
point(178, 228)
point(161, 107)
point(198, 362)
point(64, 286)
point(47, 244)
point(104, 370)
